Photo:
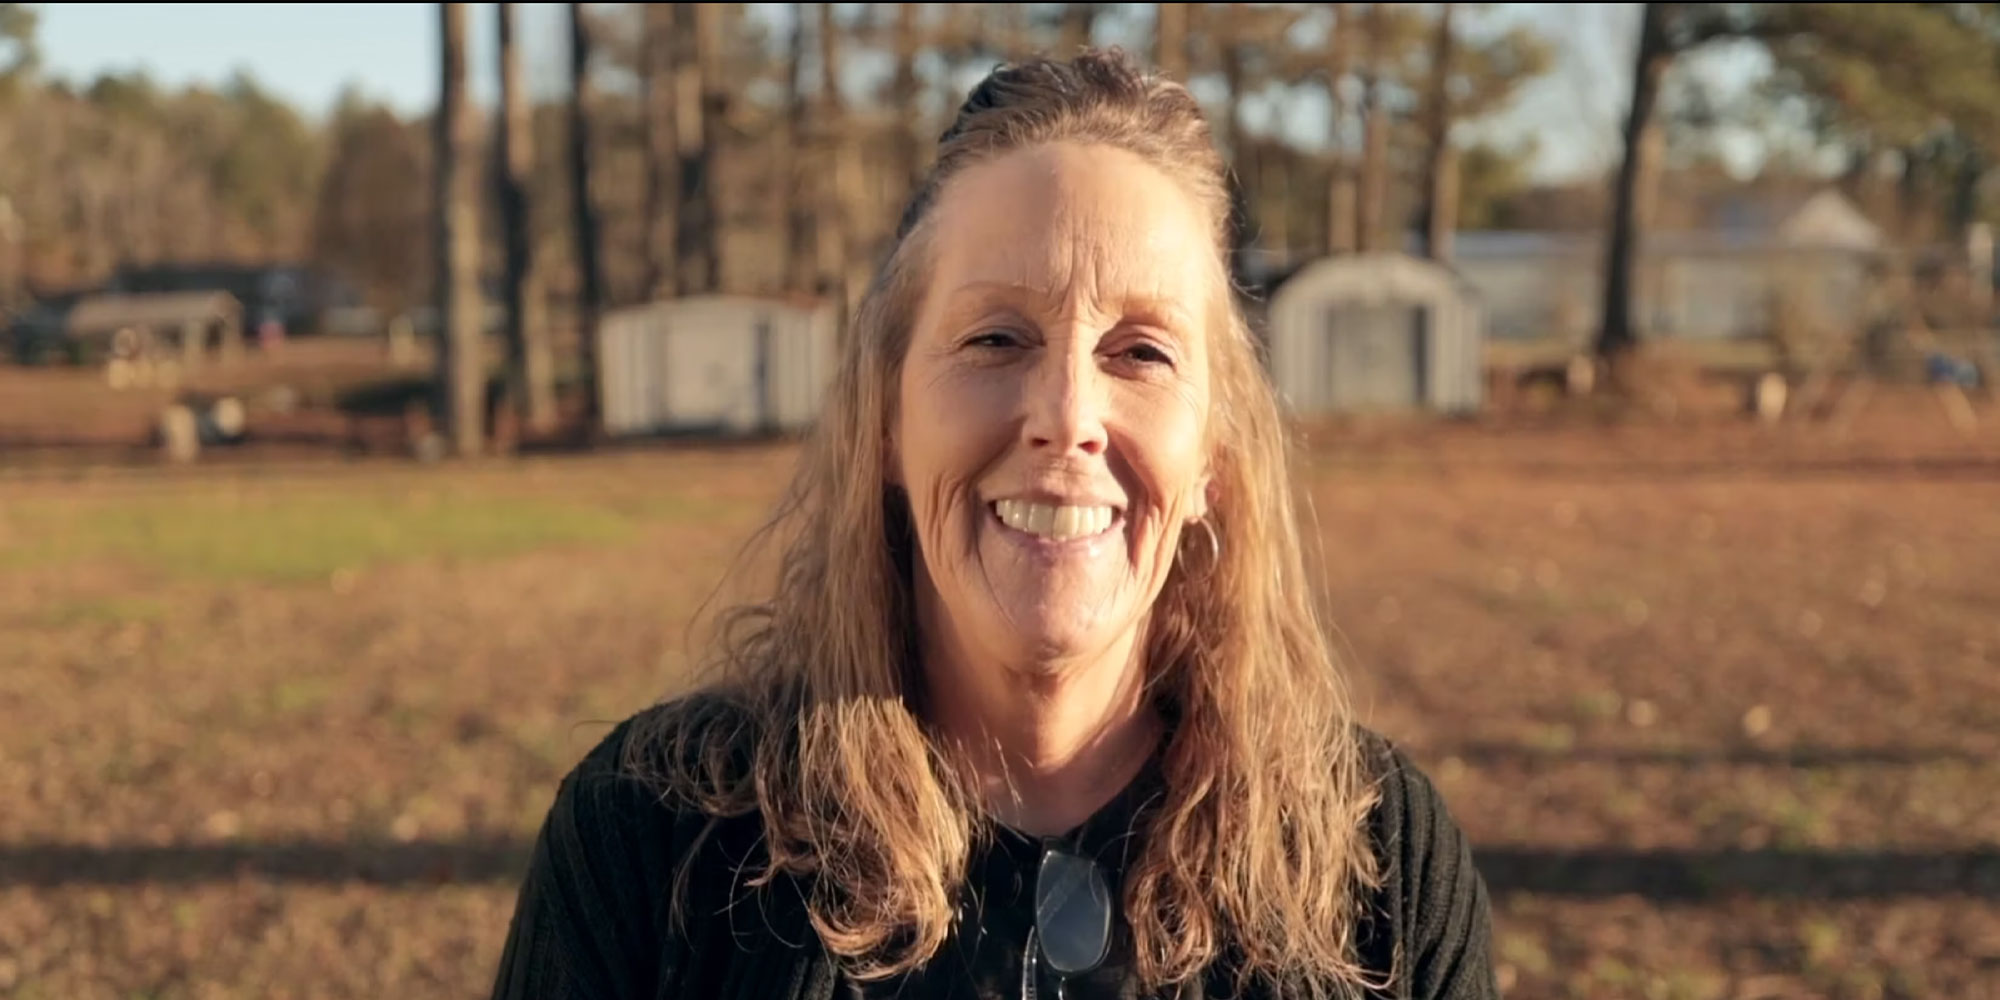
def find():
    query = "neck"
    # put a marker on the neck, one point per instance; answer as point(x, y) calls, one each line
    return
point(1051, 742)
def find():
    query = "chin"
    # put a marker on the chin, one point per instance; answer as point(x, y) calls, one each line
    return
point(1042, 647)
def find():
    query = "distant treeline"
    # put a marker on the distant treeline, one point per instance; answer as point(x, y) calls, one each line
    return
point(721, 159)
point(805, 179)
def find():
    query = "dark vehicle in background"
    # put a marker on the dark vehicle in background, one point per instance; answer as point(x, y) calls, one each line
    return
point(188, 327)
point(288, 299)
point(296, 296)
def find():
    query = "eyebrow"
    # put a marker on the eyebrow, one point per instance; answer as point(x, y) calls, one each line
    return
point(972, 296)
point(1160, 310)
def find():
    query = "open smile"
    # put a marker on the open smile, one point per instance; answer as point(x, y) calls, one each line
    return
point(1052, 523)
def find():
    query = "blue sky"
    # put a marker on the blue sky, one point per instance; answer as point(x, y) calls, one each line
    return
point(310, 52)
point(305, 51)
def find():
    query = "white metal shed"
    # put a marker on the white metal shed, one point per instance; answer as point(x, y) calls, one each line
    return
point(1376, 332)
point(714, 364)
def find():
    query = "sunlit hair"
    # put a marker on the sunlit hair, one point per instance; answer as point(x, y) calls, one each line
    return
point(1257, 860)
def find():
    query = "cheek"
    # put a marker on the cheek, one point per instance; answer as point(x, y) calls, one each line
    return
point(1168, 444)
point(945, 423)
point(946, 436)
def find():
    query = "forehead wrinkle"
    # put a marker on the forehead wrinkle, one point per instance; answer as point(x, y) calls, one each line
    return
point(1076, 278)
point(1067, 244)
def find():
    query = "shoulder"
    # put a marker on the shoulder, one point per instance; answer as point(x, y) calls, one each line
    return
point(1429, 917)
point(597, 902)
point(1407, 800)
point(647, 797)
point(634, 777)
point(1410, 826)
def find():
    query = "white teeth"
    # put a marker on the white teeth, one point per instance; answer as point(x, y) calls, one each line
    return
point(1067, 521)
point(1041, 519)
point(1051, 521)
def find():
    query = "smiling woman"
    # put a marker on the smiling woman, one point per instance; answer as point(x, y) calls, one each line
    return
point(1051, 436)
point(1041, 704)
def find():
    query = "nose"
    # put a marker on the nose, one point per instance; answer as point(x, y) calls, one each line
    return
point(1064, 401)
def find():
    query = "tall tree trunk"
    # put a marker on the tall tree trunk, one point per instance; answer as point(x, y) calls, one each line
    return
point(1913, 200)
point(1617, 337)
point(701, 97)
point(1340, 195)
point(1274, 181)
point(1231, 58)
point(904, 93)
point(663, 160)
point(690, 178)
point(799, 246)
point(1016, 38)
point(590, 294)
point(833, 215)
point(712, 26)
point(1966, 182)
point(10, 258)
point(1975, 238)
point(1079, 23)
point(1170, 40)
point(1375, 140)
point(530, 362)
point(1441, 222)
point(459, 300)
point(1441, 169)
point(1646, 185)
point(1242, 212)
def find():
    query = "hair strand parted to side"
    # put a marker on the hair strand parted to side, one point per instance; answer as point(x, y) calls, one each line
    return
point(1257, 858)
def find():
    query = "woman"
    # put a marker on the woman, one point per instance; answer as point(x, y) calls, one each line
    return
point(1040, 705)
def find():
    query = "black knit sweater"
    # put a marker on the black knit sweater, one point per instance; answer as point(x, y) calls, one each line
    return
point(593, 917)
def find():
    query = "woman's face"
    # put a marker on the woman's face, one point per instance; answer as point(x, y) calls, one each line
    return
point(1051, 432)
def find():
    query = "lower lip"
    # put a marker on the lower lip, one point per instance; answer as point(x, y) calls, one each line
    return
point(1084, 544)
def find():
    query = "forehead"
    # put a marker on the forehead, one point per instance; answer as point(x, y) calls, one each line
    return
point(1081, 225)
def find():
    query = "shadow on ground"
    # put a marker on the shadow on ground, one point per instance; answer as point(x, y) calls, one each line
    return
point(1667, 875)
point(1478, 753)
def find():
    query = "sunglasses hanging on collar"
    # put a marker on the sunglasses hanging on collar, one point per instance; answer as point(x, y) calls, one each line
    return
point(1072, 931)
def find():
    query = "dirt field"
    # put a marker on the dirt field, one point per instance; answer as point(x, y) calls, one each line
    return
point(1719, 704)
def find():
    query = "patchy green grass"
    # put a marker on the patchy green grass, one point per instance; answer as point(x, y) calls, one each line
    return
point(229, 533)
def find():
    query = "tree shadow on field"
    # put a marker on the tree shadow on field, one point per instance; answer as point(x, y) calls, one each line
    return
point(1494, 753)
point(417, 862)
point(1665, 876)
point(1601, 471)
point(1704, 875)
point(1954, 469)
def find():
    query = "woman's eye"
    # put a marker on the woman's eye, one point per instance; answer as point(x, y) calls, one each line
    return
point(1147, 354)
point(994, 338)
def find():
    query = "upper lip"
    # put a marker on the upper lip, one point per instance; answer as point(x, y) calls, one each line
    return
point(1061, 499)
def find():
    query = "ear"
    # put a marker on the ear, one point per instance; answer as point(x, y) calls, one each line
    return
point(1203, 499)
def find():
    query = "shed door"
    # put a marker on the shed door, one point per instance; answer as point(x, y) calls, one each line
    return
point(1375, 356)
point(712, 376)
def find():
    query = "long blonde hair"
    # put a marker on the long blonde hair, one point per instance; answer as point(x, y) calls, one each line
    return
point(1257, 858)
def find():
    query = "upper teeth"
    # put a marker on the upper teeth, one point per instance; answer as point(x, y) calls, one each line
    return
point(1052, 521)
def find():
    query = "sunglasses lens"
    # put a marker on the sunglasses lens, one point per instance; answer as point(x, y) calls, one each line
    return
point(1072, 913)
